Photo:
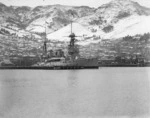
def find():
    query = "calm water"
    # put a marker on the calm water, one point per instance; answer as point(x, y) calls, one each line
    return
point(103, 93)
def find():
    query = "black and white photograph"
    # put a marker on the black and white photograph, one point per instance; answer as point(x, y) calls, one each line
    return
point(74, 59)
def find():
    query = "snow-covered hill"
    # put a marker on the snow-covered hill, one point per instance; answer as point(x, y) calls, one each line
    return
point(115, 19)
point(111, 13)
point(57, 16)
point(129, 26)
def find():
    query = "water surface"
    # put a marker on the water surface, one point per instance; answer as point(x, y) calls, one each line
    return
point(102, 93)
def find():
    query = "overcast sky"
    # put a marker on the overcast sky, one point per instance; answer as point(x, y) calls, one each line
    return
point(91, 3)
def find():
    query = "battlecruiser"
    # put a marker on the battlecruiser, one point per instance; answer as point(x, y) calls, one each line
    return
point(71, 61)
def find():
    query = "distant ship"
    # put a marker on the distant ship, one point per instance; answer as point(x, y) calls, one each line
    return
point(71, 61)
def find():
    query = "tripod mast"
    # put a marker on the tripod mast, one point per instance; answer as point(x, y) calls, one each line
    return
point(45, 41)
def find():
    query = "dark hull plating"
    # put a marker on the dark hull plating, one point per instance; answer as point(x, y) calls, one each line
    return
point(52, 68)
point(78, 64)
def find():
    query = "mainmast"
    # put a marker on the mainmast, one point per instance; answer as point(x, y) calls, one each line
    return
point(45, 40)
point(73, 51)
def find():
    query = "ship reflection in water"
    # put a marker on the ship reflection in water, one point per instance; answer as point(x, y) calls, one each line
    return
point(103, 93)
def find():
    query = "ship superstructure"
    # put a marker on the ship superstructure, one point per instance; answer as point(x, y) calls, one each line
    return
point(71, 61)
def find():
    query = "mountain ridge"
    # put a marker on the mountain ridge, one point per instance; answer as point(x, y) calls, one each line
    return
point(103, 18)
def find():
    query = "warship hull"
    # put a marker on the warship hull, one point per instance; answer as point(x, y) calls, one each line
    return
point(77, 64)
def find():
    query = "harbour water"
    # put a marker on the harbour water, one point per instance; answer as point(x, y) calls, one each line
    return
point(102, 93)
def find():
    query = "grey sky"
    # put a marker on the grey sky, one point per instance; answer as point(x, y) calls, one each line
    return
point(91, 3)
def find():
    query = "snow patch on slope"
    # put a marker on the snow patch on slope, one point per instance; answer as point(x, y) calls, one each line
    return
point(37, 25)
point(61, 35)
point(130, 26)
